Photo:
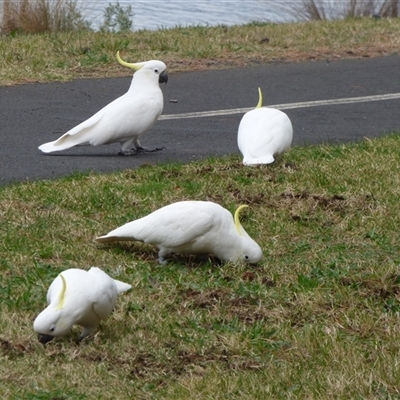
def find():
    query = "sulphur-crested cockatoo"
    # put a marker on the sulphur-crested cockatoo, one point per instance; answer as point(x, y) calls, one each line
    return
point(125, 119)
point(263, 133)
point(191, 227)
point(77, 297)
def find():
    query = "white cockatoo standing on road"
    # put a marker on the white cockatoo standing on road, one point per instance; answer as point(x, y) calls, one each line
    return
point(263, 133)
point(77, 297)
point(191, 227)
point(125, 119)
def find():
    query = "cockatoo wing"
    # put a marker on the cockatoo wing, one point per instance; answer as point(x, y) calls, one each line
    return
point(98, 295)
point(126, 117)
point(78, 135)
point(252, 136)
point(100, 274)
point(172, 226)
point(105, 303)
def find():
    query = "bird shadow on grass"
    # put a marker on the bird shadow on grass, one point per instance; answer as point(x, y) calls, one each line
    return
point(146, 253)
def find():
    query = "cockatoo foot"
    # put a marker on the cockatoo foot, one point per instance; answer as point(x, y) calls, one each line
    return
point(162, 261)
point(85, 333)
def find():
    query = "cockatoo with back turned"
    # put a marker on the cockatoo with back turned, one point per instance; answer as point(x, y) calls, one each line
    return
point(77, 297)
point(191, 227)
point(264, 133)
point(125, 119)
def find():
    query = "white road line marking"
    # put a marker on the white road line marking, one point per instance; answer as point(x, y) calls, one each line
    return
point(288, 106)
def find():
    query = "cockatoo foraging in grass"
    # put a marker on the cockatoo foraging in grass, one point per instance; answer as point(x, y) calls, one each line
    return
point(77, 297)
point(191, 227)
point(125, 119)
point(264, 133)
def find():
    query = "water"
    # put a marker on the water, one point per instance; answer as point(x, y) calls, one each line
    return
point(155, 14)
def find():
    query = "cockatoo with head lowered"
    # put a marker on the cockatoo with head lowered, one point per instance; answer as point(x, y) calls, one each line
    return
point(191, 227)
point(264, 133)
point(77, 297)
point(125, 119)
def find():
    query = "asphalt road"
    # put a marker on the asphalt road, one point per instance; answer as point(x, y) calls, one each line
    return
point(33, 114)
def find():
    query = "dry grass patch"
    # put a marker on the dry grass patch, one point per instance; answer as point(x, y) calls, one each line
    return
point(40, 16)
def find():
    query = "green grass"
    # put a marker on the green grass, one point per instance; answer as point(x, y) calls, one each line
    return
point(318, 318)
point(71, 55)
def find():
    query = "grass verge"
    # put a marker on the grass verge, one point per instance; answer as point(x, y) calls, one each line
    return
point(69, 55)
point(318, 318)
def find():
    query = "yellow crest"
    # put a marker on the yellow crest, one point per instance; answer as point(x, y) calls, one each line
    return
point(259, 104)
point(129, 65)
point(61, 296)
point(237, 221)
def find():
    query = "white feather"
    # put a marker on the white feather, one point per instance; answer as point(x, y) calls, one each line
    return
point(125, 119)
point(89, 297)
point(190, 227)
point(263, 134)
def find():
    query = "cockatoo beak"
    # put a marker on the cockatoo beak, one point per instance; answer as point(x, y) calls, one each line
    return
point(45, 338)
point(163, 77)
point(129, 65)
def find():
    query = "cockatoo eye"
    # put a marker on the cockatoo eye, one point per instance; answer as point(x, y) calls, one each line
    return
point(52, 329)
point(246, 257)
point(156, 71)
